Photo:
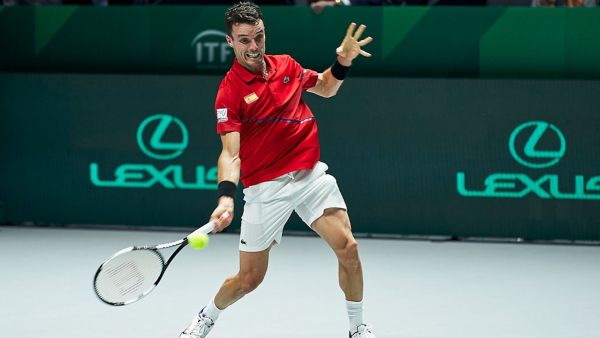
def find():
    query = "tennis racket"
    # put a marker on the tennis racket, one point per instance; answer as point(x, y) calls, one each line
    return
point(130, 274)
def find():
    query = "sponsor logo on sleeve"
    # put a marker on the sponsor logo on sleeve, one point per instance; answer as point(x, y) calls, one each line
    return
point(222, 115)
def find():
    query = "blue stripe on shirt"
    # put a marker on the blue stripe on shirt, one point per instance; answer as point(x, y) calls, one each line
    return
point(280, 120)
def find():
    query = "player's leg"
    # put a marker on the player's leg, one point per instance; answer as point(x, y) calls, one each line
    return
point(322, 207)
point(334, 227)
point(253, 267)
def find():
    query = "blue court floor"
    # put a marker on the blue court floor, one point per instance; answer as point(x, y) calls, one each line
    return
point(414, 289)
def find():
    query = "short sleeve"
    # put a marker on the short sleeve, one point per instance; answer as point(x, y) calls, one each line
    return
point(308, 77)
point(227, 111)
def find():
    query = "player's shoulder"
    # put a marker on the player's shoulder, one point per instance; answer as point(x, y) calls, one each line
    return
point(227, 90)
point(281, 57)
point(229, 81)
point(229, 76)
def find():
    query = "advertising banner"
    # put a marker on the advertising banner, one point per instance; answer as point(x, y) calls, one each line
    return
point(423, 157)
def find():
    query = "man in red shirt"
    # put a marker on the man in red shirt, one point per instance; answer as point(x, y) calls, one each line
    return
point(269, 135)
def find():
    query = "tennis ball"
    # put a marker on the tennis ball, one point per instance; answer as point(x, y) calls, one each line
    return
point(198, 241)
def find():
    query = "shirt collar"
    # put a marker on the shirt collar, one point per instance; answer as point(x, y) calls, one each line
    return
point(247, 76)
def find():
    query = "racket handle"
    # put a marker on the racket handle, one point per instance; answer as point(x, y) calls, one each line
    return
point(210, 226)
point(206, 228)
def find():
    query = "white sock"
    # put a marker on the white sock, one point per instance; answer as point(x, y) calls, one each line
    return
point(355, 314)
point(212, 311)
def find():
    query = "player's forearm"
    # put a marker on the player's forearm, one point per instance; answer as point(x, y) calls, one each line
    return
point(329, 84)
point(331, 79)
point(229, 172)
point(228, 167)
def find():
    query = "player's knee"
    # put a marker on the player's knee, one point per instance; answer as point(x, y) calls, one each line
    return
point(348, 256)
point(250, 281)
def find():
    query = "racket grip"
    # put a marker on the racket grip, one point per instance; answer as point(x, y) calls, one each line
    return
point(210, 226)
point(206, 228)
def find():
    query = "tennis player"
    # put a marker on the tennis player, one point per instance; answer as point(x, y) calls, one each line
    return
point(270, 134)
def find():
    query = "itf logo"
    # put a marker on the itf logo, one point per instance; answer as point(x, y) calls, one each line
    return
point(536, 145)
point(533, 155)
point(212, 50)
point(160, 137)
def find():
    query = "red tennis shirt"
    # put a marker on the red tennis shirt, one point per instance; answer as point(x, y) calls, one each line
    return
point(278, 132)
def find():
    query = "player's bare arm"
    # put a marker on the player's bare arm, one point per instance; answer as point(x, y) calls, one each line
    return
point(229, 170)
point(350, 48)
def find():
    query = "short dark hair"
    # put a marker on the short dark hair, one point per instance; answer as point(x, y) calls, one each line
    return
point(242, 12)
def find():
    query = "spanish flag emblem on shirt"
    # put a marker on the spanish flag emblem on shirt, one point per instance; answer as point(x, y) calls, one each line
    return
point(250, 98)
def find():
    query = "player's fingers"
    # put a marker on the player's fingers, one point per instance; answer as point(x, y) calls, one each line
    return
point(219, 226)
point(350, 29)
point(359, 31)
point(365, 41)
point(217, 219)
point(364, 53)
point(224, 220)
point(214, 217)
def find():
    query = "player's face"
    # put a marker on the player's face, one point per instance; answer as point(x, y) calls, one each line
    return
point(248, 43)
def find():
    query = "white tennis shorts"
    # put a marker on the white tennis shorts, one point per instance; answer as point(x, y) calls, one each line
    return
point(269, 205)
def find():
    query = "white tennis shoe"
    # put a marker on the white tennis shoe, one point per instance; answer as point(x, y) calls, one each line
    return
point(199, 328)
point(363, 331)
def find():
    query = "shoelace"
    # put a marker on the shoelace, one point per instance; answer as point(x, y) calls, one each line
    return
point(198, 328)
point(362, 333)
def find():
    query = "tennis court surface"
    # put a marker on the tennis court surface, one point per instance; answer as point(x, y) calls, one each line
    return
point(414, 289)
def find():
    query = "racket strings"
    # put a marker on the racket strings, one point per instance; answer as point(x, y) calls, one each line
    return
point(128, 276)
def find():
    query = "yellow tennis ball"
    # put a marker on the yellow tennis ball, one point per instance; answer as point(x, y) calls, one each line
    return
point(198, 241)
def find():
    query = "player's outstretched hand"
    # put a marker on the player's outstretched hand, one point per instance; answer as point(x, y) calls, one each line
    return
point(350, 47)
